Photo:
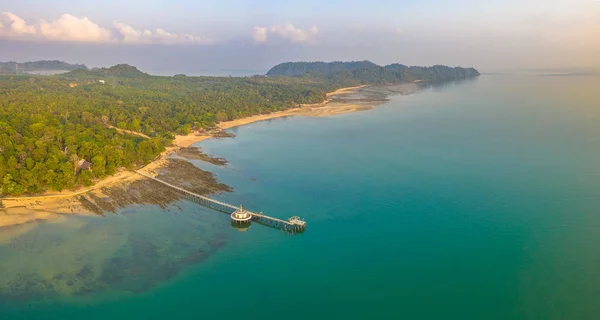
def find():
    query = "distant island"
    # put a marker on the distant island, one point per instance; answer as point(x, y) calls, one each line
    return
point(38, 67)
point(74, 129)
point(366, 72)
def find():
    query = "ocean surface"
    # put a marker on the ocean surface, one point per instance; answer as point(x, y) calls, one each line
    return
point(473, 200)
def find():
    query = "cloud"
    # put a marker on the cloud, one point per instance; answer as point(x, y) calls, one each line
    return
point(15, 24)
point(71, 28)
point(294, 34)
point(128, 34)
point(287, 32)
point(260, 34)
point(399, 31)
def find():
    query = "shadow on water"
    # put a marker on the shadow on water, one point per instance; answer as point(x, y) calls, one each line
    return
point(447, 84)
point(131, 253)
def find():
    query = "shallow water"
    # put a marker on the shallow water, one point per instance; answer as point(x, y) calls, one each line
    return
point(473, 200)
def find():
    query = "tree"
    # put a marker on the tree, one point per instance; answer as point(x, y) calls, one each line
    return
point(85, 177)
point(8, 185)
point(99, 166)
point(75, 160)
point(68, 174)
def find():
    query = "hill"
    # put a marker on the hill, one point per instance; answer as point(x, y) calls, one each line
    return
point(118, 71)
point(366, 72)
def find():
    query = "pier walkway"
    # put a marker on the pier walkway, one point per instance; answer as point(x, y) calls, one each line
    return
point(293, 224)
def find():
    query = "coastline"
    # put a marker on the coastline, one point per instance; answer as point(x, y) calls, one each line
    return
point(329, 107)
point(51, 205)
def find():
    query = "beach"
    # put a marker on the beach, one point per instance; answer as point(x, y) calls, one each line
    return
point(91, 200)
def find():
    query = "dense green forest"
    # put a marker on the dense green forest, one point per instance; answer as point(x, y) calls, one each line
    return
point(48, 124)
point(366, 72)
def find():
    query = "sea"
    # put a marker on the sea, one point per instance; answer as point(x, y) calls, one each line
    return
point(477, 199)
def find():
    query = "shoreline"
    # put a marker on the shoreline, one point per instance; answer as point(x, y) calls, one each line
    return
point(306, 110)
point(23, 210)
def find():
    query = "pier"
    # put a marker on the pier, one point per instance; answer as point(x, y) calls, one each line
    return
point(293, 224)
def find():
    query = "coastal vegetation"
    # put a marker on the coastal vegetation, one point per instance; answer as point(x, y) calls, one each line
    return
point(120, 117)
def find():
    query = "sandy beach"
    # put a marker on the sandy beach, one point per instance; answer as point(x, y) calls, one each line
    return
point(329, 107)
point(21, 210)
point(344, 90)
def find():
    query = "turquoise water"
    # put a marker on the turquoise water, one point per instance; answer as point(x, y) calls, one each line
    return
point(469, 201)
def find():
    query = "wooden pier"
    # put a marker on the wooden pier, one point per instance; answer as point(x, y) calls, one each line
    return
point(293, 224)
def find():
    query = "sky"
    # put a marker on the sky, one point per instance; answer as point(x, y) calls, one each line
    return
point(235, 36)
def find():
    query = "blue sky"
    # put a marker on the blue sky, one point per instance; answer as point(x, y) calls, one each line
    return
point(490, 35)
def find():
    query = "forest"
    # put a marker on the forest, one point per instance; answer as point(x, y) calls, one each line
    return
point(48, 124)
